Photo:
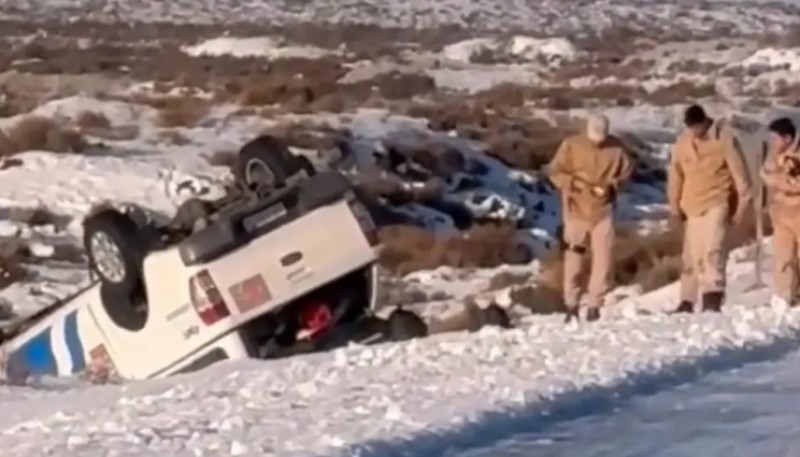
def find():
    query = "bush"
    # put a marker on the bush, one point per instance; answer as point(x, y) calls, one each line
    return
point(42, 134)
point(408, 248)
point(180, 111)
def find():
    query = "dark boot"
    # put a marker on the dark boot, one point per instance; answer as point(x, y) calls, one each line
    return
point(572, 314)
point(712, 301)
point(684, 307)
point(592, 314)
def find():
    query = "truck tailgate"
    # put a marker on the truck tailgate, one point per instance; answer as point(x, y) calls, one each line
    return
point(292, 260)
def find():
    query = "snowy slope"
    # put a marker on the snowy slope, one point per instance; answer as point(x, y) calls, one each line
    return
point(418, 398)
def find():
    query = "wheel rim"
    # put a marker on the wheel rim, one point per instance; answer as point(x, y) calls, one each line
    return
point(107, 257)
point(257, 173)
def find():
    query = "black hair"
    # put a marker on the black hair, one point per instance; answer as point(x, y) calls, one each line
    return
point(783, 126)
point(695, 115)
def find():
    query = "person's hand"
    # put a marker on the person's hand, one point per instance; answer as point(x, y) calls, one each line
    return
point(677, 217)
point(790, 164)
point(599, 191)
point(578, 184)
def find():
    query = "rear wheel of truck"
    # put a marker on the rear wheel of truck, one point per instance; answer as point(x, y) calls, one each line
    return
point(266, 162)
point(116, 249)
point(128, 311)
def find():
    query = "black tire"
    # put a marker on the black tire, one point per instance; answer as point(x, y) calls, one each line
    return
point(496, 316)
point(405, 325)
point(111, 228)
point(267, 162)
point(128, 311)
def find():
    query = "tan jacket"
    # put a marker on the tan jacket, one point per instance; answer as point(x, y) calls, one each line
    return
point(783, 190)
point(579, 166)
point(709, 174)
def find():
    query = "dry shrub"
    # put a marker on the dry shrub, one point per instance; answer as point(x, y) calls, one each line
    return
point(593, 67)
point(12, 253)
point(538, 299)
point(681, 92)
point(11, 272)
point(7, 163)
point(488, 56)
point(315, 88)
point(400, 86)
point(174, 137)
point(784, 89)
point(651, 261)
point(41, 133)
point(450, 116)
point(507, 279)
point(180, 111)
point(294, 82)
point(90, 121)
point(35, 217)
point(502, 96)
point(68, 252)
point(305, 135)
point(408, 248)
point(222, 159)
point(562, 98)
point(693, 66)
point(510, 135)
point(13, 105)
point(529, 145)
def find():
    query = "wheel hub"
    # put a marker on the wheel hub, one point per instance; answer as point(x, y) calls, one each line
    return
point(107, 257)
point(257, 173)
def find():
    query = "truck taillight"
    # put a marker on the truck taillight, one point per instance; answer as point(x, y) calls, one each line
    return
point(206, 298)
point(364, 221)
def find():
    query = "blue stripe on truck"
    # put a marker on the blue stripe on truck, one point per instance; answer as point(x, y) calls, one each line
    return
point(74, 343)
point(36, 355)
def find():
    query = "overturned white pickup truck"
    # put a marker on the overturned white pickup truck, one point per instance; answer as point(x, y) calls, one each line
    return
point(286, 260)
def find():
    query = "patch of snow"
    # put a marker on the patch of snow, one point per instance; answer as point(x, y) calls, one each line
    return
point(530, 48)
point(787, 59)
point(242, 47)
point(478, 78)
point(464, 51)
point(41, 250)
point(522, 47)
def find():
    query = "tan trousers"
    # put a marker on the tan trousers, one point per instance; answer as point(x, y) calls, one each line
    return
point(705, 253)
point(786, 249)
point(584, 240)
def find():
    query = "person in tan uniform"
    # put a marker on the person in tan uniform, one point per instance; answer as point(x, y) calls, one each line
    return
point(588, 170)
point(781, 176)
point(708, 188)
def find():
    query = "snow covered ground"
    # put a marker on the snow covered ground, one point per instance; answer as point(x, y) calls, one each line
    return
point(450, 393)
point(748, 410)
